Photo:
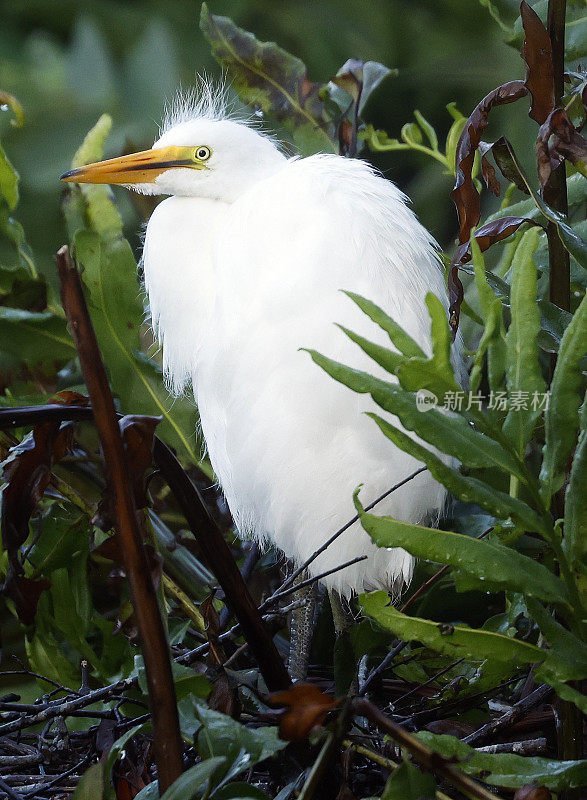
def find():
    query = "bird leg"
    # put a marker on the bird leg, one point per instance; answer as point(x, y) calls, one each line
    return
point(301, 628)
point(342, 616)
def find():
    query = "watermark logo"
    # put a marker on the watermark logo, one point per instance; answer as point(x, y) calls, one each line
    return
point(495, 401)
point(425, 400)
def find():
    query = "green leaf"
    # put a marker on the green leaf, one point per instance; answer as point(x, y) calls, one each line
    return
point(568, 654)
point(149, 792)
point(470, 490)
point(553, 323)
point(407, 782)
point(237, 790)
point(9, 101)
point(109, 273)
point(8, 181)
point(181, 565)
point(506, 769)
point(523, 373)
point(91, 785)
point(373, 74)
point(388, 359)
point(403, 341)
point(493, 338)
point(114, 754)
point(428, 130)
point(72, 606)
point(492, 566)
point(35, 337)
point(575, 526)
point(494, 12)
point(564, 691)
point(562, 415)
point(65, 534)
point(194, 781)
point(14, 232)
point(220, 735)
point(92, 148)
point(456, 641)
point(44, 653)
point(265, 75)
point(452, 141)
point(576, 194)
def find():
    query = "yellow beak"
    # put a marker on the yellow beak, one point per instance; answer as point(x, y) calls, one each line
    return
point(141, 167)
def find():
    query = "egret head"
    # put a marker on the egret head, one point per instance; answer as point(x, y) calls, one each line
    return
point(202, 152)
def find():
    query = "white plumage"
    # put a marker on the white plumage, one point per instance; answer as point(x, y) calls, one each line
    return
point(243, 266)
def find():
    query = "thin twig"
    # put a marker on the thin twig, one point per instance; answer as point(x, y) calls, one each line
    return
point(308, 582)
point(429, 681)
point(515, 712)
point(376, 671)
point(421, 589)
point(527, 747)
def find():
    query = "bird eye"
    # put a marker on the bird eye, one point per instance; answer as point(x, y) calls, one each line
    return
point(203, 153)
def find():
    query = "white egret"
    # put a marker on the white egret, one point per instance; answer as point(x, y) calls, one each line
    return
point(243, 266)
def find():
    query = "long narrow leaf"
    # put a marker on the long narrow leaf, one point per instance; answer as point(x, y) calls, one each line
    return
point(507, 769)
point(575, 527)
point(493, 566)
point(562, 416)
point(470, 490)
point(455, 641)
point(386, 358)
point(492, 340)
point(523, 373)
point(568, 654)
point(403, 341)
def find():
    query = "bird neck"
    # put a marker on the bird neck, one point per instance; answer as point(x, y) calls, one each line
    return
point(236, 182)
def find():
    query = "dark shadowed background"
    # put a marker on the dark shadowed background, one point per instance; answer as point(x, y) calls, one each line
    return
point(67, 61)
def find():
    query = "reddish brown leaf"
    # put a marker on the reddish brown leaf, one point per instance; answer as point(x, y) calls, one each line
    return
point(212, 620)
point(497, 230)
point(456, 292)
point(350, 78)
point(307, 708)
point(27, 472)
point(488, 172)
point(532, 791)
point(345, 793)
point(537, 53)
point(224, 696)
point(558, 139)
point(137, 436)
point(69, 398)
point(25, 593)
point(464, 194)
point(503, 154)
point(130, 774)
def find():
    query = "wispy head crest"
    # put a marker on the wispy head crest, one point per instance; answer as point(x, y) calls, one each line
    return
point(208, 99)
